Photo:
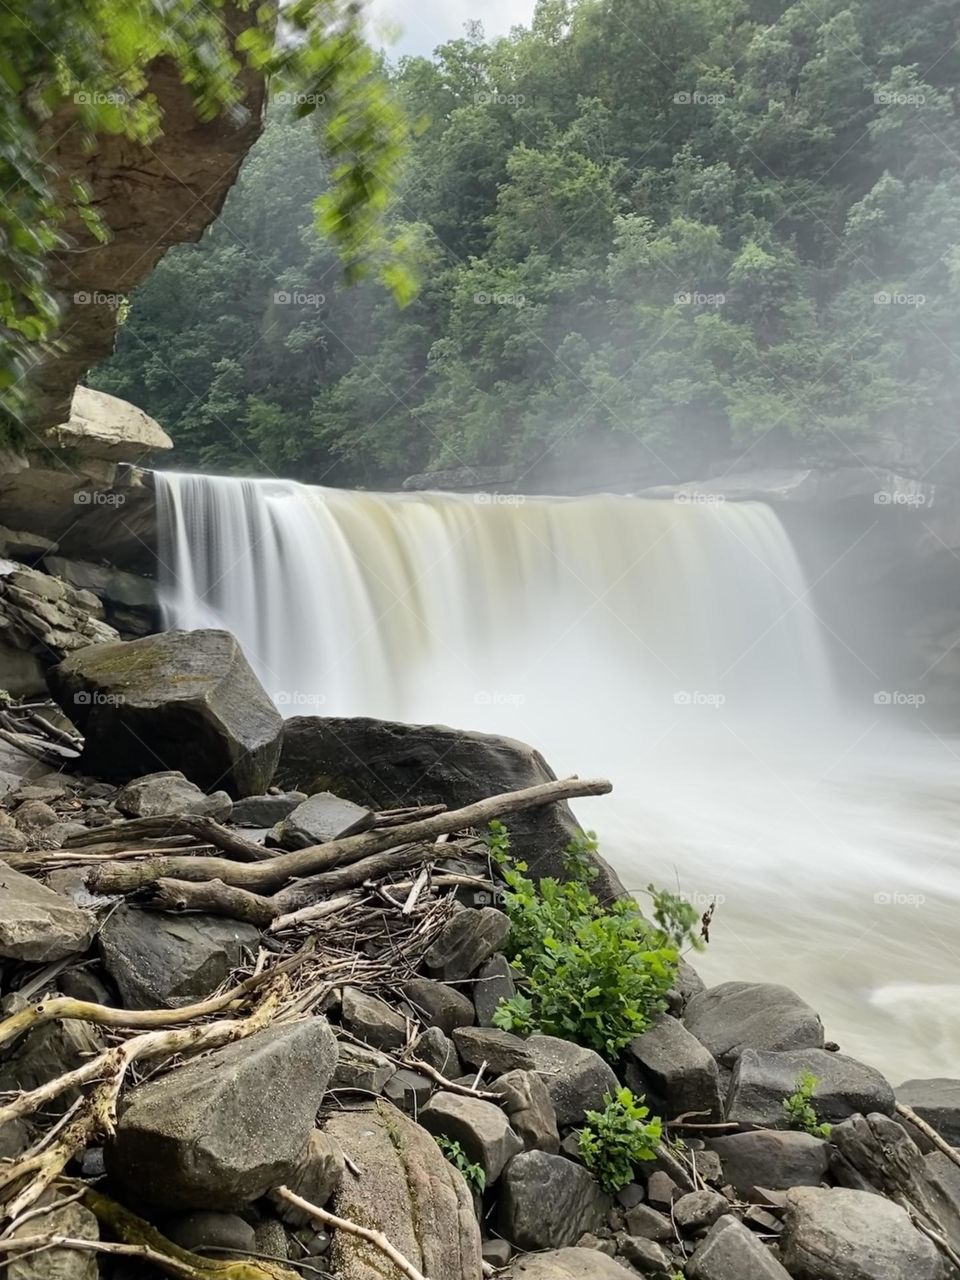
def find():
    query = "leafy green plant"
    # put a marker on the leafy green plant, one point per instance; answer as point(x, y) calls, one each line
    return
point(800, 1110)
point(618, 1138)
point(455, 1154)
point(594, 973)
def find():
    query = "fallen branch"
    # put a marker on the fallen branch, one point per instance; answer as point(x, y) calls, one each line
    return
point(271, 875)
point(376, 1238)
point(928, 1132)
point(206, 830)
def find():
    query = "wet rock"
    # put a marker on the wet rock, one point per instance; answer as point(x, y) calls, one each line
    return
point(467, 939)
point(319, 1172)
point(481, 1128)
point(730, 1251)
point(439, 1005)
point(699, 1209)
point(569, 1264)
point(186, 699)
point(547, 1202)
point(844, 1087)
point(265, 811)
point(494, 983)
point(576, 1078)
point(531, 1113)
point(222, 1130)
point(673, 1070)
point(37, 924)
point(372, 1020)
point(72, 1220)
point(416, 1198)
point(500, 1050)
point(156, 795)
point(362, 1069)
point(201, 1231)
point(161, 961)
point(751, 1015)
point(838, 1234)
point(772, 1158)
point(938, 1102)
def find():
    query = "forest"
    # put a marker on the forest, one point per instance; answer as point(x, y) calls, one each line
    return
point(711, 228)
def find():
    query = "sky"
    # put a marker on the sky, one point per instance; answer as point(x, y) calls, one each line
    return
point(426, 23)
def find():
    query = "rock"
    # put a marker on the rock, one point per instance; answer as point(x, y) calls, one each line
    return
point(838, 1234)
point(674, 1070)
point(751, 1015)
point(642, 1220)
point(467, 939)
point(547, 1202)
point(629, 1196)
point(439, 1052)
point(531, 1113)
point(270, 1238)
point(409, 1090)
point(225, 1128)
point(265, 811)
point(414, 1196)
point(130, 601)
point(162, 961)
point(186, 699)
point(111, 428)
point(576, 1078)
point(699, 1209)
point(81, 983)
point(35, 815)
point(647, 1257)
point(51, 1049)
point(20, 545)
point(500, 1050)
point(761, 1081)
point(731, 1252)
point(494, 983)
point(372, 1020)
point(772, 1158)
point(438, 1005)
point(361, 1069)
point(319, 1172)
point(37, 924)
point(569, 1264)
point(383, 764)
point(201, 1231)
point(661, 1190)
point(320, 818)
point(156, 795)
point(938, 1102)
point(497, 1253)
point(72, 1220)
point(481, 1128)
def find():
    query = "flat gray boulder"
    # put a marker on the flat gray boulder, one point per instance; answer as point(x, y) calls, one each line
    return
point(569, 1264)
point(845, 1087)
point(38, 925)
point(751, 1015)
point(576, 1078)
point(547, 1202)
point(838, 1234)
point(157, 794)
point(265, 811)
point(372, 1020)
point(186, 700)
point(481, 1128)
point(467, 939)
point(730, 1252)
point(938, 1102)
point(162, 961)
point(362, 1069)
point(500, 1050)
point(674, 1070)
point(409, 1191)
point(224, 1129)
point(439, 1005)
point(774, 1158)
point(321, 817)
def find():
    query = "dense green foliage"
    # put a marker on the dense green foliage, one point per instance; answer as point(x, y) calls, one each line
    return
point(80, 66)
point(697, 228)
point(618, 1138)
point(800, 1111)
point(588, 972)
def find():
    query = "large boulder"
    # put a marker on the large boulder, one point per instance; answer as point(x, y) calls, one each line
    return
point(547, 1202)
point(186, 700)
point(853, 1235)
point(228, 1127)
point(408, 1191)
point(383, 764)
point(772, 1158)
point(674, 1070)
point(761, 1082)
point(731, 1252)
point(937, 1101)
point(165, 961)
point(576, 1078)
point(467, 939)
point(156, 795)
point(569, 1264)
point(37, 924)
point(320, 818)
point(751, 1015)
point(438, 1005)
point(532, 1115)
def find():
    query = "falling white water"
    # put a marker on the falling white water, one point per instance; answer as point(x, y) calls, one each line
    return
point(672, 647)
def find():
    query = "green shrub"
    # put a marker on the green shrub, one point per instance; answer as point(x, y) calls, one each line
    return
point(588, 972)
point(618, 1138)
point(799, 1108)
point(455, 1154)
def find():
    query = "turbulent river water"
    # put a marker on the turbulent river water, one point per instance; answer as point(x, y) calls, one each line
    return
point(672, 647)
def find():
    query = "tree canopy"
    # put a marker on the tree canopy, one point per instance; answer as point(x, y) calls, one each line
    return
point(713, 226)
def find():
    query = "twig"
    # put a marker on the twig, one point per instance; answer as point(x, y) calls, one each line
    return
point(928, 1132)
point(376, 1238)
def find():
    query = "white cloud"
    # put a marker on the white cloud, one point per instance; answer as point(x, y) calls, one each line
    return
point(423, 24)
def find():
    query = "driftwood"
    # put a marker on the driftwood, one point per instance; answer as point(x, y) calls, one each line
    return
point(206, 830)
point(269, 876)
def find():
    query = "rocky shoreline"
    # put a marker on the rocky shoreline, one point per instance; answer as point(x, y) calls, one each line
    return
point(263, 997)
